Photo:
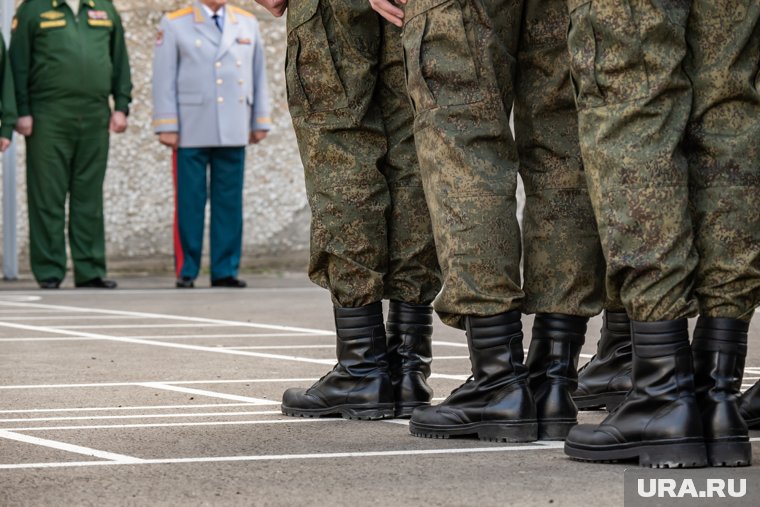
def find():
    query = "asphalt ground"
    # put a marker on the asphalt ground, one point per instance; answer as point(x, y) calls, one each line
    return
point(149, 395)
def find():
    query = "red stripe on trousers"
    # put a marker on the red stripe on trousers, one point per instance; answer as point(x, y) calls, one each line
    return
point(179, 254)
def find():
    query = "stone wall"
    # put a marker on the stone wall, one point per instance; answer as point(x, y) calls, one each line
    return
point(138, 189)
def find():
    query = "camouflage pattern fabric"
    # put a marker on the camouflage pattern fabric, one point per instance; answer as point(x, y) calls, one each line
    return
point(563, 264)
point(371, 236)
point(634, 101)
point(723, 149)
point(460, 58)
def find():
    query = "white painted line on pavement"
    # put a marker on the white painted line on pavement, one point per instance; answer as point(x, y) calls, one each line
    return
point(143, 407)
point(446, 358)
point(211, 394)
point(449, 377)
point(138, 326)
point(402, 422)
point(156, 343)
point(167, 337)
point(538, 446)
point(141, 416)
point(72, 317)
point(163, 316)
point(173, 382)
point(449, 344)
point(62, 446)
point(282, 347)
point(178, 424)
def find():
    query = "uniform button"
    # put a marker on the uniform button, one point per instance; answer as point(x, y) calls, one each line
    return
point(219, 81)
point(218, 64)
point(220, 99)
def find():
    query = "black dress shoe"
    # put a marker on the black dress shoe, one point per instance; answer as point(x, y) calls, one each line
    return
point(49, 283)
point(229, 281)
point(97, 283)
point(185, 283)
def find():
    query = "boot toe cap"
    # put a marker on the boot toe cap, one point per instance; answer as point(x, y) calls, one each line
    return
point(300, 398)
point(590, 435)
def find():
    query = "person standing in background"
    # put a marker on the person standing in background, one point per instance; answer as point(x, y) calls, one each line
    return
point(210, 100)
point(68, 57)
point(8, 110)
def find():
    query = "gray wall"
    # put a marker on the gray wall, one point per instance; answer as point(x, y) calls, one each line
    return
point(138, 189)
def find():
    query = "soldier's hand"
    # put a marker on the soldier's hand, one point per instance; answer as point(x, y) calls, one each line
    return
point(389, 11)
point(118, 122)
point(170, 139)
point(275, 7)
point(257, 136)
point(4, 144)
point(24, 125)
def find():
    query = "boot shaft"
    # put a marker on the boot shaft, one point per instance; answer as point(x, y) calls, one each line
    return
point(555, 347)
point(496, 347)
point(361, 343)
point(409, 330)
point(720, 349)
point(662, 362)
point(615, 336)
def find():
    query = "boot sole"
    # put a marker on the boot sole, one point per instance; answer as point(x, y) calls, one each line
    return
point(492, 431)
point(353, 412)
point(404, 410)
point(555, 429)
point(685, 453)
point(610, 401)
point(729, 454)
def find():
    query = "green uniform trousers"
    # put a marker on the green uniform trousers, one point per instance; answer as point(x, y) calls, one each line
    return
point(371, 237)
point(669, 121)
point(467, 63)
point(67, 156)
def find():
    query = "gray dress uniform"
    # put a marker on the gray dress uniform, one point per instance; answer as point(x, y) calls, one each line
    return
point(202, 77)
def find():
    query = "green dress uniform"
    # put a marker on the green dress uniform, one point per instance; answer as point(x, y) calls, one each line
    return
point(65, 67)
point(8, 111)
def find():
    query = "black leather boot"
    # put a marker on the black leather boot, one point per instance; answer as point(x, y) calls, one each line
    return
point(359, 386)
point(658, 423)
point(749, 406)
point(720, 348)
point(555, 346)
point(606, 378)
point(496, 403)
point(410, 334)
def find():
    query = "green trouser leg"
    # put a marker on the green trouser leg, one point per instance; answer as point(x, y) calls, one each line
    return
point(563, 261)
point(460, 64)
point(724, 155)
point(370, 232)
point(67, 157)
point(634, 101)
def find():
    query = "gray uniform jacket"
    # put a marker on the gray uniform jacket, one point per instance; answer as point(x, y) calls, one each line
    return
point(210, 86)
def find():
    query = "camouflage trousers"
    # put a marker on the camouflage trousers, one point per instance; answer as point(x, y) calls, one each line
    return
point(469, 65)
point(669, 117)
point(371, 236)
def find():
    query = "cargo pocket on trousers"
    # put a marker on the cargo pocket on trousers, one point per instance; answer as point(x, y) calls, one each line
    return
point(313, 82)
point(439, 62)
point(606, 53)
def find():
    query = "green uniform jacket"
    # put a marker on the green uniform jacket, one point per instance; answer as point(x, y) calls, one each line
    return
point(59, 59)
point(8, 112)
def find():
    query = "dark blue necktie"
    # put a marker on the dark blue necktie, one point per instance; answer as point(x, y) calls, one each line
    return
point(217, 21)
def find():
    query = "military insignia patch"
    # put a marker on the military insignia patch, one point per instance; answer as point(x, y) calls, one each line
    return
point(244, 41)
point(97, 14)
point(52, 15)
point(159, 37)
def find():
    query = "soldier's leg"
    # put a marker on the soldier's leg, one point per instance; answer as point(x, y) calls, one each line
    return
point(191, 167)
point(634, 102)
point(724, 163)
point(563, 262)
point(226, 189)
point(460, 60)
point(49, 151)
point(86, 227)
point(331, 71)
point(413, 278)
